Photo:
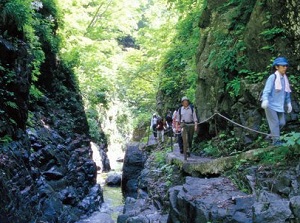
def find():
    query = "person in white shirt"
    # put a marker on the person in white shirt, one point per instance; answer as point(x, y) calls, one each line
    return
point(187, 118)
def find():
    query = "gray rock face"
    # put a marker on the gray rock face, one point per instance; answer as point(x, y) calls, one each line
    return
point(209, 200)
point(270, 208)
point(133, 165)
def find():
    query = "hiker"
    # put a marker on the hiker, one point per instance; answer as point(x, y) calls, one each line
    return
point(153, 125)
point(187, 119)
point(160, 128)
point(177, 131)
point(169, 121)
point(276, 95)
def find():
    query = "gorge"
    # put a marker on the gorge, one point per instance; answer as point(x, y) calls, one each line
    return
point(76, 75)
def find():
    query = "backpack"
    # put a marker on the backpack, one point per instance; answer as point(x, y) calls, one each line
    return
point(261, 92)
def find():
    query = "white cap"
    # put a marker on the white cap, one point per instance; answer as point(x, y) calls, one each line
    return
point(184, 99)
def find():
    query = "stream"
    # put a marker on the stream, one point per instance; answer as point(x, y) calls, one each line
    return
point(113, 197)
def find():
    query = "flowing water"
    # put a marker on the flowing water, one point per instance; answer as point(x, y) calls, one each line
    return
point(113, 198)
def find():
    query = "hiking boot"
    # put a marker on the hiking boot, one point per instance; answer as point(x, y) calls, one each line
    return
point(181, 151)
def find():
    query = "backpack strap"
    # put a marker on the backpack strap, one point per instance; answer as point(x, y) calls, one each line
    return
point(179, 111)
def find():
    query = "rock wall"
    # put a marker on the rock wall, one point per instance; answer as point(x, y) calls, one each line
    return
point(243, 36)
point(46, 169)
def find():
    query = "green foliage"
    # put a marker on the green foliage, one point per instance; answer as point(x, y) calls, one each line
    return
point(166, 169)
point(271, 33)
point(35, 93)
point(288, 152)
point(18, 11)
point(294, 80)
point(5, 139)
point(292, 139)
point(230, 55)
point(210, 149)
point(223, 144)
point(160, 157)
point(179, 74)
point(11, 104)
point(234, 87)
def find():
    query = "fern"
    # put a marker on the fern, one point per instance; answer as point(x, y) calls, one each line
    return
point(11, 104)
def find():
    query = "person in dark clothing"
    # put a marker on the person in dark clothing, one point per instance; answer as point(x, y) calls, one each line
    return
point(153, 125)
point(169, 121)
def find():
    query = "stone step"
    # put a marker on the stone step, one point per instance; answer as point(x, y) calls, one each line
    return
point(196, 165)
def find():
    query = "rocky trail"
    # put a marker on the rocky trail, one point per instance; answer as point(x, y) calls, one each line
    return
point(205, 194)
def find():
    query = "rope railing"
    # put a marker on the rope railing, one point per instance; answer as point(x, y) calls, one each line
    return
point(224, 117)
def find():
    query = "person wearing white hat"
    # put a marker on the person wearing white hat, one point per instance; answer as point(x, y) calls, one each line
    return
point(187, 118)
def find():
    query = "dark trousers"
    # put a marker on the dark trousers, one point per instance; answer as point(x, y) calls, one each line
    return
point(154, 130)
point(189, 134)
point(180, 142)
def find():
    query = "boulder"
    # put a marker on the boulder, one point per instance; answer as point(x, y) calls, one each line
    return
point(113, 180)
point(134, 161)
point(295, 206)
point(140, 211)
point(93, 200)
point(209, 200)
point(271, 208)
point(98, 217)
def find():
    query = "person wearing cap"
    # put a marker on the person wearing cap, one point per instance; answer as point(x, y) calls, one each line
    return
point(187, 117)
point(276, 95)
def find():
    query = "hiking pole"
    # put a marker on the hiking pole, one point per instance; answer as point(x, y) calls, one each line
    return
point(148, 136)
point(172, 142)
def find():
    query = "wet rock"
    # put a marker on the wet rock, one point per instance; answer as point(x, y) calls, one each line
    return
point(132, 188)
point(68, 196)
point(98, 217)
point(53, 174)
point(113, 180)
point(295, 206)
point(140, 211)
point(133, 165)
point(93, 200)
point(271, 208)
point(51, 208)
point(100, 157)
point(209, 200)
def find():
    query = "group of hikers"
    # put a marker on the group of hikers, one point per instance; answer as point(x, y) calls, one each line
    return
point(276, 100)
point(182, 123)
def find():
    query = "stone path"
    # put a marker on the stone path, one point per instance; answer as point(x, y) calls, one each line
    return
point(192, 159)
point(196, 165)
